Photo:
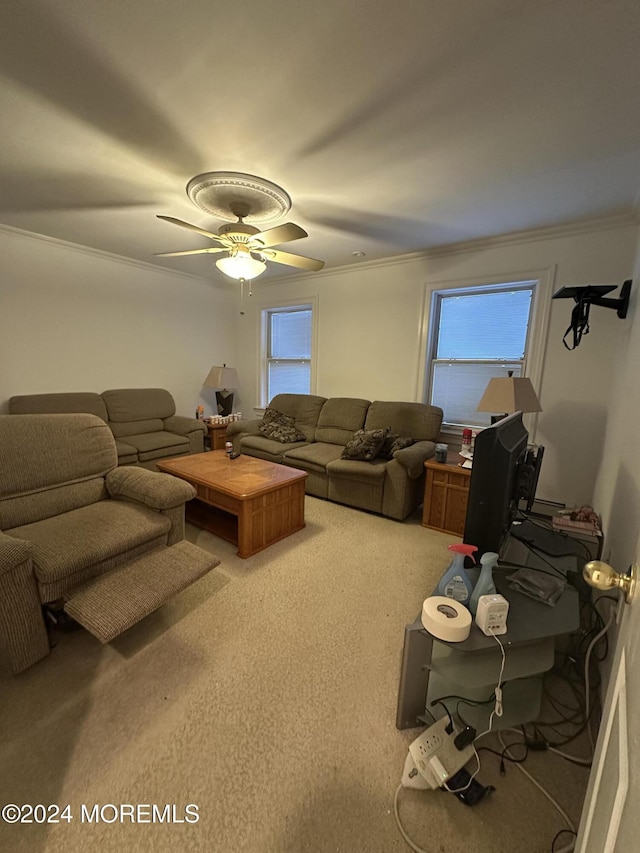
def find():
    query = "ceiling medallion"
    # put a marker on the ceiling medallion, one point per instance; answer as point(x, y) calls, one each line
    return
point(220, 193)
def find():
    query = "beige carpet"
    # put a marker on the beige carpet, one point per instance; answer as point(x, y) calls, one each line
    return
point(265, 694)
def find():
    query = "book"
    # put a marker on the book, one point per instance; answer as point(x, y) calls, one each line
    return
point(568, 525)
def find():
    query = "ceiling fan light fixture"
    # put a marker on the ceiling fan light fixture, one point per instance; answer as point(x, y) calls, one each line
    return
point(241, 266)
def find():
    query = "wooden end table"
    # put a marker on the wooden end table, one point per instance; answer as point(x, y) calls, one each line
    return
point(446, 492)
point(250, 502)
point(217, 434)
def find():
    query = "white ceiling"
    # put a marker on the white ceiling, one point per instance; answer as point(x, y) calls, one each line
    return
point(394, 126)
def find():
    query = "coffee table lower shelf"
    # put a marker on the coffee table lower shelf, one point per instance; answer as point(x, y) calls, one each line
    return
point(255, 523)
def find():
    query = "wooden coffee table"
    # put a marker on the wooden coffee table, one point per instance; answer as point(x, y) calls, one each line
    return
point(250, 502)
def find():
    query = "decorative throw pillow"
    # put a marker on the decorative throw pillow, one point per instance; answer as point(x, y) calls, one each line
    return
point(280, 427)
point(394, 442)
point(365, 444)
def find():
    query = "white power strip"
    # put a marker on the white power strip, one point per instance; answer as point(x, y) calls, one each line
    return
point(433, 758)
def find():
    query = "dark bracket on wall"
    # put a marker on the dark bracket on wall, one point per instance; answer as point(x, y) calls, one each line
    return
point(593, 294)
point(585, 297)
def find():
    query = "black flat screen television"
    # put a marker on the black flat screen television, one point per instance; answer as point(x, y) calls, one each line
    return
point(504, 472)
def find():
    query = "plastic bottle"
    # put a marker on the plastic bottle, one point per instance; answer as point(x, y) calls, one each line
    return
point(455, 582)
point(485, 584)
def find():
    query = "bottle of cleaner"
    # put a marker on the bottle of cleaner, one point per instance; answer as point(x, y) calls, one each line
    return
point(485, 584)
point(455, 582)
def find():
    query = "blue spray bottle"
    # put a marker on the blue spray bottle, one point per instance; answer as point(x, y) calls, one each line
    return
point(485, 585)
point(455, 582)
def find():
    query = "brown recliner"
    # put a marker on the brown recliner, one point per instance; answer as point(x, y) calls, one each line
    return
point(107, 541)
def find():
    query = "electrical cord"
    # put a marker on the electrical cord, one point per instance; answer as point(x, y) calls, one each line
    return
point(535, 782)
point(497, 711)
point(564, 849)
point(440, 702)
point(601, 629)
point(586, 551)
point(586, 676)
point(403, 832)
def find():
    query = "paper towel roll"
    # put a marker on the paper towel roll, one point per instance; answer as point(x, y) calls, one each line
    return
point(446, 618)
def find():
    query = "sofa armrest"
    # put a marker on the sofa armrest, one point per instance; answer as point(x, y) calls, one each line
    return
point(413, 458)
point(248, 427)
point(155, 490)
point(183, 426)
point(22, 631)
point(13, 552)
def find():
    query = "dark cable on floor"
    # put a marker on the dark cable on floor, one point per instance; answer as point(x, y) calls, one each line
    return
point(557, 836)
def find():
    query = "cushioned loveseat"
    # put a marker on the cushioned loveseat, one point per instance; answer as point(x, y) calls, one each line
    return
point(142, 420)
point(390, 483)
point(105, 541)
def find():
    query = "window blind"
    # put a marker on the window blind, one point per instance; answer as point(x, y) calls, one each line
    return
point(477, 335)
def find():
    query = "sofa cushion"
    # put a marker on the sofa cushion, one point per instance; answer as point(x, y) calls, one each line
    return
point(365, 444)
point(352, 469)
point(339, 418)
point(394, 442)
point(123, 429)
point(418, 420)
point(266, 448)
point(154, 445)
point(51, 464)
point(66, 544)
point(313, 457)
point(138, 404)
point(127, 453)
point(280, 427)
point(87, 402)
point(303, 408)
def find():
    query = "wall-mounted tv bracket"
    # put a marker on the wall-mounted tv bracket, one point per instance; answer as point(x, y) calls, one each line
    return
point(585, 297)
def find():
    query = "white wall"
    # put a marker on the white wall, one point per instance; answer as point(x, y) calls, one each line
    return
point(78, 320)
point(617, 493)
point(370, 320)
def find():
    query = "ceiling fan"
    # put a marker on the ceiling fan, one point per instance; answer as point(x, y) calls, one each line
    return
point(245, 249)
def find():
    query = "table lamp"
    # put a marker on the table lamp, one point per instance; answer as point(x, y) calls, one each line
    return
point(225, 379)
point(508, 395)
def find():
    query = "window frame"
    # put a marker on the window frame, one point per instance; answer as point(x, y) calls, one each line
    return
point(541, 282)
point(266, 309)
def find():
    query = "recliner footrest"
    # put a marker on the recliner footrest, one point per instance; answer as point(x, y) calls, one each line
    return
point(107, 605)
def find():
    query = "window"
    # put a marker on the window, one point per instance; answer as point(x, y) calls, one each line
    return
point(287, 339)
point(477, 333)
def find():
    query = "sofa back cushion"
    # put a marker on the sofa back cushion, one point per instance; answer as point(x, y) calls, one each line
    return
point(127, 428)
point(303, 408)
point(138, 404)
point(411, 420)
point(50, 464)
point(339, 418)
point(65, 403)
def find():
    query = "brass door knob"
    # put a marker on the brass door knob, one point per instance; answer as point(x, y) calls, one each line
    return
point(602, 576)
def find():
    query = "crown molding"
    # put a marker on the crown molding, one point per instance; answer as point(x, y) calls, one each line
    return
point(550, 232)
point(572, 229)
point(100, 253)
point(513, 238)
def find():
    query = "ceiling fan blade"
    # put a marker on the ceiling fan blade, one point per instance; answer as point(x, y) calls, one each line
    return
point(195, 228)
point(280, 234)
point(293, 260)
point(188, 252)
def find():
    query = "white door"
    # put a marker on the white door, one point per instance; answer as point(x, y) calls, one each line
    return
point(610, 820)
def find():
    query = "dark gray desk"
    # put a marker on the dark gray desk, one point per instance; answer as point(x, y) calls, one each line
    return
point(529, 623)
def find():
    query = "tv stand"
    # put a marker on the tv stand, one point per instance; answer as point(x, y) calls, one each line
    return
point(470, 669)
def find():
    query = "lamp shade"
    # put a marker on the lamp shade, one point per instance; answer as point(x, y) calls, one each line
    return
point(222, 377)
point(508, 395)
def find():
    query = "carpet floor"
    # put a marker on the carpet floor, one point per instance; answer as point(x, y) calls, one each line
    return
point(265, 695)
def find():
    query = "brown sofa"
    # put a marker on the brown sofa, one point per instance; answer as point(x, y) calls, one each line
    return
point(392, 487)
point(106, 541)
point(143, 421)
